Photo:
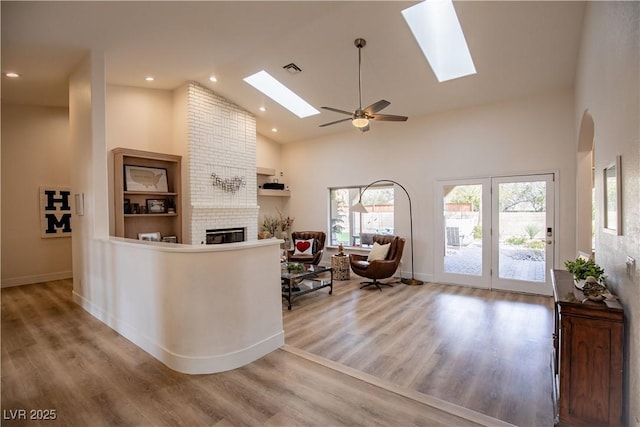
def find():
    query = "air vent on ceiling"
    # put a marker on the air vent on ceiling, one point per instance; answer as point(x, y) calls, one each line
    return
point(292, 68)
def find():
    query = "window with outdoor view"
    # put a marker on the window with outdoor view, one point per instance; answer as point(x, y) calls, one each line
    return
point(353, 228)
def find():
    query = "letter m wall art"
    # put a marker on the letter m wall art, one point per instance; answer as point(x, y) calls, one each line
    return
point(55, 211)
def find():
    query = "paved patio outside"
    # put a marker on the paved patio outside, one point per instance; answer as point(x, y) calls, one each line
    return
point(515, 262)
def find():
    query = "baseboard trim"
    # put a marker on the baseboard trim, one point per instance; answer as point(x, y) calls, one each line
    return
point(38, 278)
point(425, 399)
point(180, 362)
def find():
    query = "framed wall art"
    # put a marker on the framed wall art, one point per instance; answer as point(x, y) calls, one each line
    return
point(156, 206)
point(55, 211)
point(150, 237)
point(142, 178)
point(612, 212)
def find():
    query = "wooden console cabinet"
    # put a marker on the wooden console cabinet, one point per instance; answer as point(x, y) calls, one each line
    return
point(588, 357)
point(129, 223)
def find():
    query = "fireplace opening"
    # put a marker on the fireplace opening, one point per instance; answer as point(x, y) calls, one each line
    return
point(225, 235)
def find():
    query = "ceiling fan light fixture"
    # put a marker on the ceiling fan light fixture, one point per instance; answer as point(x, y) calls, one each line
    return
point(360, 122)
point(361, 117)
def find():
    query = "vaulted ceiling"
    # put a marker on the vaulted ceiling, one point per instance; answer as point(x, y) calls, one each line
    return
point(519, 48)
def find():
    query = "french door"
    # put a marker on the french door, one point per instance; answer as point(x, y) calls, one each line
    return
point(496, 232)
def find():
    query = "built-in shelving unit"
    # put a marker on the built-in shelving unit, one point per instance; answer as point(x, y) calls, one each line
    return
point(267, 192)
point(129, 224)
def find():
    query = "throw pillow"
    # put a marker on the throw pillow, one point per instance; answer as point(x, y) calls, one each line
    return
point(303, 247)
point(378, 251)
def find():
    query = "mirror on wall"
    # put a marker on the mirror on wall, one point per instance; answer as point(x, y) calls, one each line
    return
point(612, 198)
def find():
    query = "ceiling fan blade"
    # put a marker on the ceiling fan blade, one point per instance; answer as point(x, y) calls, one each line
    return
point(377, 106)
point(333, 123)
point(388, 118)
point(338, 111)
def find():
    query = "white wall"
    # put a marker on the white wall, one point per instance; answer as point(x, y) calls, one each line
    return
point(607, 85)
point(533, 134)
point(140, 119)
point(35, 152)
point(269, 155)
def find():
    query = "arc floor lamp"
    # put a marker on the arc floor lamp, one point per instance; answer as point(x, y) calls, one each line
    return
point(359, 207)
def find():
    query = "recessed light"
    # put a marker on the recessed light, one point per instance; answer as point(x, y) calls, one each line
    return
point(274, 129)
point(213, 79)
point(12, 74)
point(437, 30)
point(149, 78)
point(284, 96)
point(262, 109)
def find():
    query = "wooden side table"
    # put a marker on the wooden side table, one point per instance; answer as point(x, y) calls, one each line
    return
point(588, 357)
point(340, 266)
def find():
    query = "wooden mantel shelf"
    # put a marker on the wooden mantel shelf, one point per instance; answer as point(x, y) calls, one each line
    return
point(265, 171)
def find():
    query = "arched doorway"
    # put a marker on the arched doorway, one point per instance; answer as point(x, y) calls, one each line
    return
point(584, 185)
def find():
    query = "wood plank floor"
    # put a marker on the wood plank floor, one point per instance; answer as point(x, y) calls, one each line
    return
point(484, 350)
point(55, 356)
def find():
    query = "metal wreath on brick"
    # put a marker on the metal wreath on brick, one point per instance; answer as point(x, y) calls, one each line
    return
point(228, 185)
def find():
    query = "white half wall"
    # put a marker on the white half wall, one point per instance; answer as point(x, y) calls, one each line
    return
point(197, 309)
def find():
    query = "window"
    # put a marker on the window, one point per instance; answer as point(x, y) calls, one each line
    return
point(356, 229)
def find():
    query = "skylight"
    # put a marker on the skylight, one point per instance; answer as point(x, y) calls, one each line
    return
point(275, 90)
point(435, 26)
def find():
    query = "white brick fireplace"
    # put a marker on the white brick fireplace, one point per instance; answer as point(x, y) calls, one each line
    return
point(221, 166)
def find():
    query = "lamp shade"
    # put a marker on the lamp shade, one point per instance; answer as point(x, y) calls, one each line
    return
point(359, 207)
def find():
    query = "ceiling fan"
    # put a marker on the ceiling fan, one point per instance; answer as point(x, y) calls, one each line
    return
point(361, 117)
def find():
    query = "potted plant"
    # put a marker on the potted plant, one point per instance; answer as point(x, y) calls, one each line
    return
point(582, 268)
point(277, 226)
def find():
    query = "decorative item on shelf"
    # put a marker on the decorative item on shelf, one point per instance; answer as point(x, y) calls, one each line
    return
point(276, 226)
point(171, 206)
point(359, 207)
point(589, 278)
point(156, 206)
point(582, 268)
point(284, 235)
point(594, 290)
point(150, 237)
